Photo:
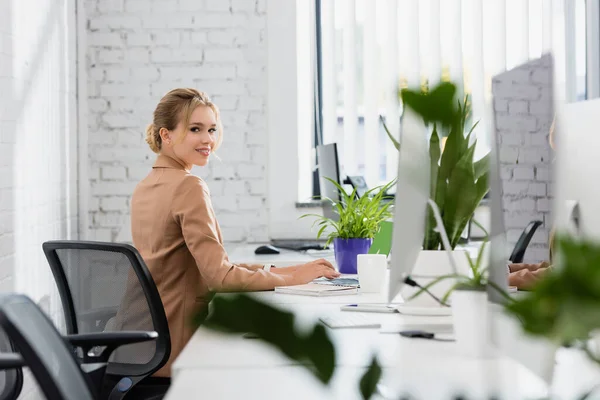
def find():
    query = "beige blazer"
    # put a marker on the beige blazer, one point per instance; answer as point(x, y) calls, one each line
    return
point(175, 230)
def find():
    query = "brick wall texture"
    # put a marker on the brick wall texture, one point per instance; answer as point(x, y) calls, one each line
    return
point(140, 49)
point(523, 108)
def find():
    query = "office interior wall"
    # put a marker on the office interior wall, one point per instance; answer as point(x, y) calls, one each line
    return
point(140, 49)
point(523, 109)
point(38, 145)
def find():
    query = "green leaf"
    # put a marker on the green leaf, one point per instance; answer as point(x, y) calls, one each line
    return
point(369, 381)
point(479, 258)
point(456, 143)
point(435, 106)
point(433, 283)
point(461, 198)
point(485, 232)
point(387, 131)
point(482, 166)
point(242, 313)
point(431, 237)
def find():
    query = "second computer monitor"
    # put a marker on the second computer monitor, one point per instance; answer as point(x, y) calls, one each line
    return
point(329, 167)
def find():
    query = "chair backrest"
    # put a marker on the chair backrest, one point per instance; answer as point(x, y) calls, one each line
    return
point(107, 287)
point(518, 252)
point(43, 349)
point(11, 380)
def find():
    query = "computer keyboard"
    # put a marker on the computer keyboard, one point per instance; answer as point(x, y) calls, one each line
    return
point(350, 320)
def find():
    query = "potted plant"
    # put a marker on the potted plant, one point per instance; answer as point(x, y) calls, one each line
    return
point(359, 220)
point(458, 183)
point(468, 299)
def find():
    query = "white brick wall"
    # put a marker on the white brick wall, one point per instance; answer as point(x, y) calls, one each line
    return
point(523, 107)
point(38, 145)
point(140, 49)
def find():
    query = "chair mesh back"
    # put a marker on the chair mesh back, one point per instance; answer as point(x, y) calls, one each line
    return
point(43, 349)
point(11, 380)
point(108, 296)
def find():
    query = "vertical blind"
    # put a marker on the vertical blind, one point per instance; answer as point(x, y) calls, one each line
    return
point(371, 48)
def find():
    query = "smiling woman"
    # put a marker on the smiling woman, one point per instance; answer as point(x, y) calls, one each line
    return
point(175, 229)
point(200, 118)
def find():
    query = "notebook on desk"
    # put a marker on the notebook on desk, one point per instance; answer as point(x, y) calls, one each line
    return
point(315, 289)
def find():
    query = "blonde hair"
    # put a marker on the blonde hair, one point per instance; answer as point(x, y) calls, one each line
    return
point(178, 105)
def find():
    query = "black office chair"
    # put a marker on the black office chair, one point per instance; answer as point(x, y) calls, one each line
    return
point(106, 287)
point(47, 354)
point(518, 252)
point(11, 374)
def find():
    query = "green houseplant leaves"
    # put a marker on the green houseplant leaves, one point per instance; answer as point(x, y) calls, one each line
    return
point(244, 314)
point(564, 306)
point(358, 217)
point(312, 348)
point(458, 183)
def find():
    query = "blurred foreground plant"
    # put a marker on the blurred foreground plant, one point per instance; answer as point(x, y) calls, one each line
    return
point(313, 349)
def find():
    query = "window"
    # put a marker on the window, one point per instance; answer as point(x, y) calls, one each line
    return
point(580, 50)
point(368, 49)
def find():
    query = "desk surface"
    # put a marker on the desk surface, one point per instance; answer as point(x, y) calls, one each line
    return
point(219, 366)
point(245, 254)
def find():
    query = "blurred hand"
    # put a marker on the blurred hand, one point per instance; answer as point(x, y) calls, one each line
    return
point(529, 267)
point(315, 269)
point(525, 278)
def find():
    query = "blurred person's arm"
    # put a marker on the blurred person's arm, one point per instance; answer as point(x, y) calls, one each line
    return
point(525, 279)
point(529, 267)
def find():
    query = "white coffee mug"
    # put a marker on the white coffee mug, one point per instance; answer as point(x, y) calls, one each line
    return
point(371, 272)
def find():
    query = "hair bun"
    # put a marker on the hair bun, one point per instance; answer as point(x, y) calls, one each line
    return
point(153, 138)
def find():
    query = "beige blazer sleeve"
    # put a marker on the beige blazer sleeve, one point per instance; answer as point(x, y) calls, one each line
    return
point(251, 267)
point(192, 210)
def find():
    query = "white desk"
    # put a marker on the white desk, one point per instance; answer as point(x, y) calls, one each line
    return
point(218, 366)
point(245, 254)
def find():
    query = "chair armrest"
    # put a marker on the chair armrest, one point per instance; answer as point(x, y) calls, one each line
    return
point(11, 360)
point(110, 340)
point(118, 338)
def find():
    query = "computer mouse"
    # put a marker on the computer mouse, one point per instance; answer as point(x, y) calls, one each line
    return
point(267, 249)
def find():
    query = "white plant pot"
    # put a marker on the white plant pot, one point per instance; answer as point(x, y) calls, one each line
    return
point(471, 322)
point(431, 264)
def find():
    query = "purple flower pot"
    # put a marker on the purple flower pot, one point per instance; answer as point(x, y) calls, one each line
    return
point(346, 250)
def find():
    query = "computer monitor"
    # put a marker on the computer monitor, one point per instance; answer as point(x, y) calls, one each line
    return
point(412, 194)
point(498, 273)
point(329, 167)
point(578, 171)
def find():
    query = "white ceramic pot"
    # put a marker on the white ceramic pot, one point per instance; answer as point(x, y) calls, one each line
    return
point(431, 264)
point(471, 322)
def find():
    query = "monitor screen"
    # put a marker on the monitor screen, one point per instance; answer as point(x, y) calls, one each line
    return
point(329, 167)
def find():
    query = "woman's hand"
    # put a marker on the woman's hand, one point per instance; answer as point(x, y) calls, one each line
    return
point(307, 272)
